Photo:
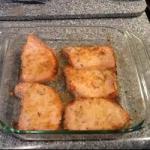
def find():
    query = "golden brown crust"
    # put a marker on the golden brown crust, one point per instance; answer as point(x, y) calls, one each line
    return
point(101, 57)
point(41, 107)
point(91, 82)
point(95, 114)
point(38, 61)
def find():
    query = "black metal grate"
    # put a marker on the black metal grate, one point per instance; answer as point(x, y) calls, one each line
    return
point(147, 10)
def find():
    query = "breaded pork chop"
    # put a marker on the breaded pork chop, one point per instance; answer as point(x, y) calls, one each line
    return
point(101, 57)
point(91, 82)
point(41, 107)
point(95, 114)
point(38, 62)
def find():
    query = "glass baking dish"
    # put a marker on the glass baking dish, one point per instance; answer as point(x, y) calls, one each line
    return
point(133, 92)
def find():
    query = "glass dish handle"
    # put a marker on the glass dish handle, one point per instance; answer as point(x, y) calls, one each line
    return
point(142, 60)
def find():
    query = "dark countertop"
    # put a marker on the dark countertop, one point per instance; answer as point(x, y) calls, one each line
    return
point(140, 27)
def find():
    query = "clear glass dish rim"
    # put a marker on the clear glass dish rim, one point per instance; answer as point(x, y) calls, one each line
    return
point(5, 128)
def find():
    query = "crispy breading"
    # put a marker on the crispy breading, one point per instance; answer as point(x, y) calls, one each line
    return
point(101, 57)
point(38, 61)
point(95, 114)
point(91, 82)
point(41, 107)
